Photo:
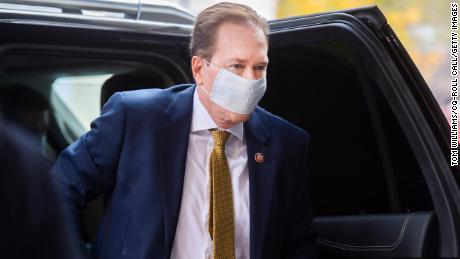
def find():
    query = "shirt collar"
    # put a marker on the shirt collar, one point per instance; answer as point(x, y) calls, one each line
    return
point(201, 120)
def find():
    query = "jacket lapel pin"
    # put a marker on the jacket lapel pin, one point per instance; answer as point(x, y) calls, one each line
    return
point(259, 157)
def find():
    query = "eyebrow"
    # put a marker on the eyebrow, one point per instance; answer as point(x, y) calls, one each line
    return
point(264, 63)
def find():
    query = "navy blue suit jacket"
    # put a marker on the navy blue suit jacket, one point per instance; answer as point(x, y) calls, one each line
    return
point(138, 148)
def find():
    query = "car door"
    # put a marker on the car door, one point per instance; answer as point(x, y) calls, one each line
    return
point(381, 180)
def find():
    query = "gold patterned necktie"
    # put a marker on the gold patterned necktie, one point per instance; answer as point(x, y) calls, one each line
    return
point(221, 199)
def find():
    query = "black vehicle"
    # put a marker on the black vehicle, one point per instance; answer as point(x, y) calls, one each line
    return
point(382, 182)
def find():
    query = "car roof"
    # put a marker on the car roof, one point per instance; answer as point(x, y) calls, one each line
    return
point(156, 16)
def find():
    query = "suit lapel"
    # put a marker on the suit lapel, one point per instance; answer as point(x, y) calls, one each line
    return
point(262, 177)
point(173, 145)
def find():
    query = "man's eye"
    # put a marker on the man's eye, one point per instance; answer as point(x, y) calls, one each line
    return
point(237, 66)
point(261, 68)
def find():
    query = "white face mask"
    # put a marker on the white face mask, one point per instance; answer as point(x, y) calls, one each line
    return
point(235, 93)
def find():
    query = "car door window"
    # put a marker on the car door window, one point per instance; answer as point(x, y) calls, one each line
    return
point(80, 97)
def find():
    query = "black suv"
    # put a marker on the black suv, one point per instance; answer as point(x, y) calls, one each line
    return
point(382, 181)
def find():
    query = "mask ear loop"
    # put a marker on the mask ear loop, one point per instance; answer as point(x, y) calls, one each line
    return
point(207, 62)
point(202, 87)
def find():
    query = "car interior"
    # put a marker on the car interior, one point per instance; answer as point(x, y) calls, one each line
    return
point(363, 167)
point(365, 176)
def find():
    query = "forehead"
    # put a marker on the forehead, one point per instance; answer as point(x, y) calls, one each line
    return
point(240, 41)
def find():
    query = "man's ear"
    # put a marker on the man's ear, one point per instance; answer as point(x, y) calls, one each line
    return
point(197, 65)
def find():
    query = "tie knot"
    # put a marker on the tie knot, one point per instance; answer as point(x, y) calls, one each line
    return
point(220, 137)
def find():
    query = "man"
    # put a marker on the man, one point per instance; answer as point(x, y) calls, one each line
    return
point(198, 171)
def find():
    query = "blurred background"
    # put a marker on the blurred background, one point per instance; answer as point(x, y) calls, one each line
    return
point(423, 26)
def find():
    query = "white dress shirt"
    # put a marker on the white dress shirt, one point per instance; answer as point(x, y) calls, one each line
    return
point(192, 240)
